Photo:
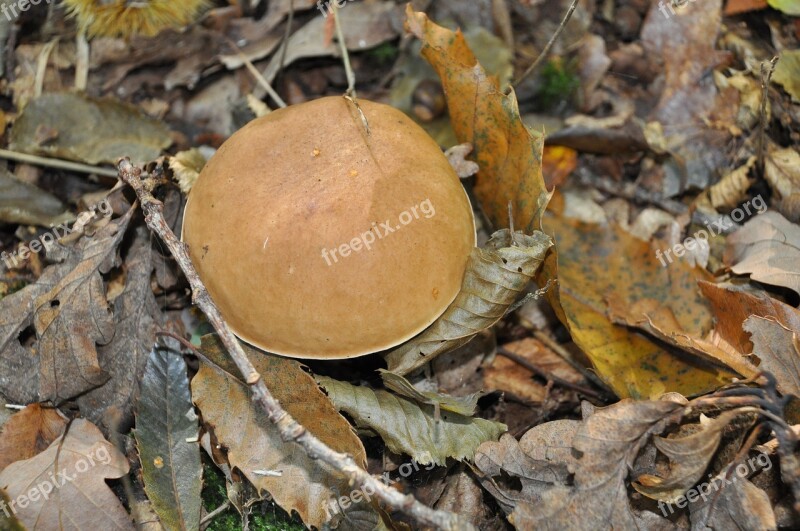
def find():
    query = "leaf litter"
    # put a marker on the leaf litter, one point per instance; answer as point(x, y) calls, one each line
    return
point(667, 129)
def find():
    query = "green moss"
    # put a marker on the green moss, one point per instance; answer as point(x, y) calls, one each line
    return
point(383, 53)
point(560, 81)
point(265, 516)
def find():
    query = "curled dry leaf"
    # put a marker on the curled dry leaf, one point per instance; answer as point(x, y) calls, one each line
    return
point(254, 445)
point(76, 127)
point(166, 419)
point(599, 451)
point(462, 405)
point(29, 432)
point(782, 172)
point(509, 157)
point(496, 276)
point(768, 249)
point(410, 428)
point(739, 505)
point(689, 458)
point(65, 485)
point(68, 309)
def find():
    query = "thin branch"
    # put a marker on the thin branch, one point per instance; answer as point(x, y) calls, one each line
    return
point(56, 163)
point(289, 429)
point(767, 68)
point(549, 45)
point(351, 77)
point(516, 358)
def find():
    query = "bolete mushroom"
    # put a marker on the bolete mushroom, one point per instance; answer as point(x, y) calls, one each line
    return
point(329, 230)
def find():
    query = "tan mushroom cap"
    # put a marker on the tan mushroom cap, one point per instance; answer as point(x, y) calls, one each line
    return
point(317, 240)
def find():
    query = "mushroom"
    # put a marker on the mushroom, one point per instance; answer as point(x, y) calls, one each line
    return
point(329, 229)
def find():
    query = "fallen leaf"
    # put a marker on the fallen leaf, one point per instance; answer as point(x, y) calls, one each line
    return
point(26, 204)
point(88, 130)
point(789, 7)
point(596, 263)
point(136, 314)
point(778, 347)
point(739, 505)
point(462, 405)
point(509, 157)
point(165, 421)
point(29, 432)
point(782, 172)
point(410, 428)
point(787, 71)
point(253, 444)
point(68, 310)
point(496, 276)
point(768, 249)
point(64, 487)
point(689, 458)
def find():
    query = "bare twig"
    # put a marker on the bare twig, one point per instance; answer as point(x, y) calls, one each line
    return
point(289, 429)
point(549, 377)
point(550, 43)
point(262, 82)
point(56, 163)
point(351, 77)
point(767, 67)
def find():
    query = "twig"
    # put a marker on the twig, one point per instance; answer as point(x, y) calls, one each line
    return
point(263, 83)
point(549, 377)
point(289, 429)
point(561, 351)
point(56, 163)
point(213, 514)
point(549, 45)
point(351, 77)
point(767, 67)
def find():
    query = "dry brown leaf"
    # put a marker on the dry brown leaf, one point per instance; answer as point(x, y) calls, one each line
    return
point(504, 374)
point(29, 432)
point(768, 249)
point(776, 345)
point(64, 487)
point(68, 310)
point(509, 157)
point(782, 172)
point(689, 458)
point(496, 276)
point(740, 505)
point(597, 263)
point(254, 445)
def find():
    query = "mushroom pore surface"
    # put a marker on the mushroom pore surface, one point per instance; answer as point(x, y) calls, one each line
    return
point(317, 240)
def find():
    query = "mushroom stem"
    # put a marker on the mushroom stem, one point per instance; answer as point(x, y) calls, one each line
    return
point(289, 428)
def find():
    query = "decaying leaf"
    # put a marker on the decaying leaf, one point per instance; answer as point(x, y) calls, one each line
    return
point(768, 249)
point(496, 276)
point(739, 505)
point(29, 432)
point(77, 127)
point(777, 345)
point(599, 451)
point(598, 263)
point(166, 421)
point(136, 314)
point(65, 485)
point(787, 71)
point(295, 481)
point(68, 310)
point(782, 172)
point(689, 458)
point(409, 428)
point(462, 405)
point(509, 157)
point(26, 204)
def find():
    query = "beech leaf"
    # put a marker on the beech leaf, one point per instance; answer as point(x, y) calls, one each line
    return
point(410, 428)
point(462, 405)
point(496, 276)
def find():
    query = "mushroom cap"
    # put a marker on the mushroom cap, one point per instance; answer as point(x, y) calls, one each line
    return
point(318, 240)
